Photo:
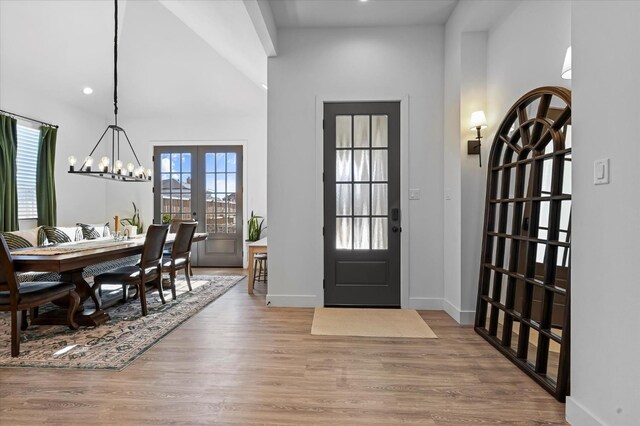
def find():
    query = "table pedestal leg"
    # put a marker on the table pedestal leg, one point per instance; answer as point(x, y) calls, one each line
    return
point(84, 316)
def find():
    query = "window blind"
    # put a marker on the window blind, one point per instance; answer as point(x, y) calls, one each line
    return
point(26, 162)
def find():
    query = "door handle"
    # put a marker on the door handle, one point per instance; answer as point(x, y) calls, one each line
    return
point(396, 229)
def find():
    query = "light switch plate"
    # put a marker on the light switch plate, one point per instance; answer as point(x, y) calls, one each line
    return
point(414, 194)
point(601, 172)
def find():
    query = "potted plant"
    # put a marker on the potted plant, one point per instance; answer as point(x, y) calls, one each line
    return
point(255, 227)
point(134, 220)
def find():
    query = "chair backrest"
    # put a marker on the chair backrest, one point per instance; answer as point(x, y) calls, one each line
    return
point(8, 280)
point(184, 238)
point(154, 245)
point(175, 224)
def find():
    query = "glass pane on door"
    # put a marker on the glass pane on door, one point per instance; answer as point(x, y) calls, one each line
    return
point(361, 205)
point(175, 186)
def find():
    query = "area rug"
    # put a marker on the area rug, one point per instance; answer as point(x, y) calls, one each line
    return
point(117, 343)
point(370, 323)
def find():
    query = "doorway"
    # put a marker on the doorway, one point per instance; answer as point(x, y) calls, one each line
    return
point(203, 183)
point(362, 218)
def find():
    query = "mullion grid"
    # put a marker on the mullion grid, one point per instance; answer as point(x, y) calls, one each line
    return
point(550, 266)
point(485, 272)
point(526, 248)
point(370, 182)
point(514, 256)
point(500, 248)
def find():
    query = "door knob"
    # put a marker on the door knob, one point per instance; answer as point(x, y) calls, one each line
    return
point(395, 229)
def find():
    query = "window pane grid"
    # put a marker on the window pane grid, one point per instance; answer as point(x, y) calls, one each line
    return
point(361, 166)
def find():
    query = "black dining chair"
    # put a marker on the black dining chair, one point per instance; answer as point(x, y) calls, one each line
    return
point(180, 255)
point(149, 270)
point(173, 228)
point(17, 297)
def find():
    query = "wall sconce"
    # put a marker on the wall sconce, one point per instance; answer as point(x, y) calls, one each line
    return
point(566, 66)
point(478, 122)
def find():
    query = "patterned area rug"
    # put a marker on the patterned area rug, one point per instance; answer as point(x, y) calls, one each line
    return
point(117, 343)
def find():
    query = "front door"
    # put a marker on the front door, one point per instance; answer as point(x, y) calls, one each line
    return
point(203, 183)
point(362, 204)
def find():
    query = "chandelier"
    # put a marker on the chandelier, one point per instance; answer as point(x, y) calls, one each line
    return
point(107, 169)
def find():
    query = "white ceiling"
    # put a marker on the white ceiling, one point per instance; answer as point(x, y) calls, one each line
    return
point(167, 64)
point(176, 57)
point(354, 13)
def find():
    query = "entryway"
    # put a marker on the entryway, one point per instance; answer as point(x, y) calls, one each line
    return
point(203, 183)
point(362, 218)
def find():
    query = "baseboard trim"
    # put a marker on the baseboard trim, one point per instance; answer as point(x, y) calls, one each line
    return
point(425, 303)
point(293, 300)
point(461, 317)
point(577, 414)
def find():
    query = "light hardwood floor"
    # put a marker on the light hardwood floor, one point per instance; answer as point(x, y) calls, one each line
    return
point(238, 362)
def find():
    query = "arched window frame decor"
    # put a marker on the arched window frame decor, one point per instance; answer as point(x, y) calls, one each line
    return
point(524, 282)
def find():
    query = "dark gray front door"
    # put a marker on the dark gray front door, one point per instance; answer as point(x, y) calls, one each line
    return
point(362, 204)
point(203, 183)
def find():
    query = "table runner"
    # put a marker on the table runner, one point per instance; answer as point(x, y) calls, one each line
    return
point(70, 248)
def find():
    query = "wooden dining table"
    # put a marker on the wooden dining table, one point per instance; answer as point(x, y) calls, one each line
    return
point(70, 260)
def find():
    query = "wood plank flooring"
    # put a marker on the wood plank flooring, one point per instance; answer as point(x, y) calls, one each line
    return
point(238, 362)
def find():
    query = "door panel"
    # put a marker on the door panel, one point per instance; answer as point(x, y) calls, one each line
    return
point(203, 183)
point(362, 202)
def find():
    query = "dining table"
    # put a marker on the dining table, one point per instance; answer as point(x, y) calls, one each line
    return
point(70, 261)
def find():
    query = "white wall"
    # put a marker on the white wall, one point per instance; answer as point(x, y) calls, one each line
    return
point(357, 64)
point(79, 199)
point(511, 71)
point(204, 130)
point(605, 290)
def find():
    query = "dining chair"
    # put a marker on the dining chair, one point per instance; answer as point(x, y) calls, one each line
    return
point(173, 228)
point(18, 297)
point(180, 255)
point(149, 270)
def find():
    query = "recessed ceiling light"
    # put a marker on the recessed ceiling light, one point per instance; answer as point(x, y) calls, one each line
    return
point(264, 86)
point(363, 1)
point(87, 90)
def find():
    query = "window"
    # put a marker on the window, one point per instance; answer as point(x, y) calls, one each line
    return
point(26, 163)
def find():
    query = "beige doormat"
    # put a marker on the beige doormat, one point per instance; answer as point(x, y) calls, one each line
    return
point(370, 323)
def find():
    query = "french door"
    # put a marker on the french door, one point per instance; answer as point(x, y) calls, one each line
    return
point(203, 183)
point(362, 204)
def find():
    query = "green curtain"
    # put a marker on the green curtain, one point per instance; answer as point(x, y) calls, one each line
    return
point(8, 188)
point(45, 181)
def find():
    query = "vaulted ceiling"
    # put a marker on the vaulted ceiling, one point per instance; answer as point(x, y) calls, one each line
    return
point(186, 57)
point(177, 57)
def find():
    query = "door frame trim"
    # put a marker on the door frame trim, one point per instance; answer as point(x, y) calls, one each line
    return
point(404, 183)
point(245, 178)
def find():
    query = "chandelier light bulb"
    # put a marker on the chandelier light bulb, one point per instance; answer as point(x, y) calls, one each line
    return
point(105, 161)
point(72, 160)
point(130, 167)
point(88, 161)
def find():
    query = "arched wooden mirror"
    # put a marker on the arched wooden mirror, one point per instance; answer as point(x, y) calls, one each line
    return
point(523, 293)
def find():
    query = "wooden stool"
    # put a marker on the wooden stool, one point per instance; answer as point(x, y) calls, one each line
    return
point(260, 268)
